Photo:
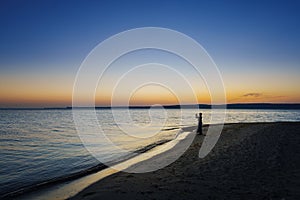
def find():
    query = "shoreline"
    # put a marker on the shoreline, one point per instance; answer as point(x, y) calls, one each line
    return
point(96, 176)
point(77, 175)
point(58, 185)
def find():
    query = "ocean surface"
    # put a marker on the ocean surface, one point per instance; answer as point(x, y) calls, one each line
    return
point(37, 146)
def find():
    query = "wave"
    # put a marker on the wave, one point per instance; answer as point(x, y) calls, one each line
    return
point(82, 173)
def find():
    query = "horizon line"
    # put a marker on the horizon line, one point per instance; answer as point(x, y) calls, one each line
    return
point(175, 106)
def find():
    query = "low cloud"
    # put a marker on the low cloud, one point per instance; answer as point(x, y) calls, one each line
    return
point(256, 97)
point(253, 94)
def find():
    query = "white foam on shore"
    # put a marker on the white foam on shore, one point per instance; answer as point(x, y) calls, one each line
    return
point(71, 188)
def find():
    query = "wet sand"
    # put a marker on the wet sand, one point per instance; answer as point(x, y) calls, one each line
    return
point(250, 161)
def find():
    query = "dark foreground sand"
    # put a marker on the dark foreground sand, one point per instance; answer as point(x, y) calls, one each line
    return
point(250, 161)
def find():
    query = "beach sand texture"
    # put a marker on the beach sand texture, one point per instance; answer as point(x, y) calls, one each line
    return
point(250, 161)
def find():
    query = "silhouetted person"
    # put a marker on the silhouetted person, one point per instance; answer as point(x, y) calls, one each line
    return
point(199, 129)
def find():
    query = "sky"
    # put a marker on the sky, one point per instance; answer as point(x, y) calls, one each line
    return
point(255, 44)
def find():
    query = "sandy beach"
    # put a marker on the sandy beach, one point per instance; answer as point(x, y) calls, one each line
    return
point(250, 161)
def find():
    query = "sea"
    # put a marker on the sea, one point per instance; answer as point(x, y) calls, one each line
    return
point(39, 146)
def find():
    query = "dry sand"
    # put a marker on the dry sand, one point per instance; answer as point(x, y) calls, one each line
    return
point(250, 161)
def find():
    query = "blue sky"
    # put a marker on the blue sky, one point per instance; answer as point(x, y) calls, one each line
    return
point(241, 36)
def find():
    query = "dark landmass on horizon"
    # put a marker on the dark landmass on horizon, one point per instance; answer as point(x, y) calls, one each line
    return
point(270, 106)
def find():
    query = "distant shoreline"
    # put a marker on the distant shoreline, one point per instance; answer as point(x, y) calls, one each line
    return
point(256, 106)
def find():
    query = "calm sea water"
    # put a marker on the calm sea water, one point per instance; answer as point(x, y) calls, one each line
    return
point(39, 145)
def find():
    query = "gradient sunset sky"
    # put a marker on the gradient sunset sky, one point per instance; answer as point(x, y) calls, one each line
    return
point(255, 44)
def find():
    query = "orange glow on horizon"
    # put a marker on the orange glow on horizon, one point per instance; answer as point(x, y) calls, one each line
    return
point(57, 92)
point(54, 100)
point(48, 98)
